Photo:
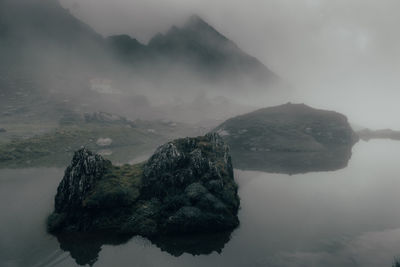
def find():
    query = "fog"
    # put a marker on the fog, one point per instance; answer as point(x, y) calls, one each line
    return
point(122, 77)
point(341, 55)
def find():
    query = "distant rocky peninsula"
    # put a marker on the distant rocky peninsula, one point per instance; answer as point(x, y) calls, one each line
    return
point(186, 187)
point(367, 134)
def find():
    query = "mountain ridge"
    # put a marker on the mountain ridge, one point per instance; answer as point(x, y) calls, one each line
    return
point(31, 26)
point(199, 45)
point(62, 57)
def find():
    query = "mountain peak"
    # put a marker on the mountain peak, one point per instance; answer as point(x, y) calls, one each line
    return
point(196, 23)
point(195, 20)
point(194, 31)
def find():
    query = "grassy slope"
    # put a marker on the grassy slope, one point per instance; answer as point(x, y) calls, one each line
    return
point(120, 184)
point(56, 146)
point(286, 128)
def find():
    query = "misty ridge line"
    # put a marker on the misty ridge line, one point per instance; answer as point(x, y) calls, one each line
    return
point(59, 49)
point(191, 73)
point(69, 31)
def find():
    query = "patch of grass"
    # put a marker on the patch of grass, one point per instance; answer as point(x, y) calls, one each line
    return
point(119, 187)
point(56, 147)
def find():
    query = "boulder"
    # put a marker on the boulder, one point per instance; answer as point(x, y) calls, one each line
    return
point(181, 176)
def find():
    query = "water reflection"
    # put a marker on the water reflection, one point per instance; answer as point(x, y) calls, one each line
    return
point(292, 162)
point(85, 247)
point(200, 244)
point(346, 218)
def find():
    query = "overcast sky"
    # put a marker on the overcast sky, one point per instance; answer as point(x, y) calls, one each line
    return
point(339, 54)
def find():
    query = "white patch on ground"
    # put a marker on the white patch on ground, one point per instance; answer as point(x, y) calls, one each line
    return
point(242, 131)
point(140, 159)
point(102, 86)
point(104, 141)
point(222, 132)
point(104, 152)
point(151, 130)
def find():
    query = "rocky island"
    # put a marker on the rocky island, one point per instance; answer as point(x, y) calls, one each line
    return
point(290, 138)
point(187, 186)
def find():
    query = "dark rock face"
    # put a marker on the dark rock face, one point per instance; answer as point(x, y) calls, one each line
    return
point(80, 178)
point(187, 186)
point(291, 138)
point(192, 178)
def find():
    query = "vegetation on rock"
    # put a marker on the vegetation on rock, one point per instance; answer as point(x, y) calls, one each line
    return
point(187, 186)
point(129, 139)
point(289, 128)
point(291, 138)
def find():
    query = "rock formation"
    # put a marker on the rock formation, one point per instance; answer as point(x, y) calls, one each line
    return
point(187, 186)
point(192, 178)
point(290, 138)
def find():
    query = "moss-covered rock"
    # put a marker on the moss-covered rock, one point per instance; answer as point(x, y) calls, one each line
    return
point(187, 186)
point(94, 194)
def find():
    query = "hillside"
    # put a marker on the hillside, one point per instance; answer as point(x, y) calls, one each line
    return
point(289, 138)
point(31, 28)
point(50, 56)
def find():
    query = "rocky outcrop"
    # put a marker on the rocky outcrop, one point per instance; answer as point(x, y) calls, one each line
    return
point(192, 179)
point(290, 138)
point(79, 180)
point(187, 186)
point(289, 128)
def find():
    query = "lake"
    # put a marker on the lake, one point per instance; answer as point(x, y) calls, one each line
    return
point(347, 217)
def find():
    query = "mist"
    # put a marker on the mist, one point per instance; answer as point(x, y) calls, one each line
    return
point(341, 55)
point(199, 132)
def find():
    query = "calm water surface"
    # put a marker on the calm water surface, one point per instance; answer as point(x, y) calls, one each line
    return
point(349, 217)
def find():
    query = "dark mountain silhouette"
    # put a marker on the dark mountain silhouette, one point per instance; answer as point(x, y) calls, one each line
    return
point(197, 46)
point(30, 20)
point(41, 36)
point(42, 27)
point(59, 56)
